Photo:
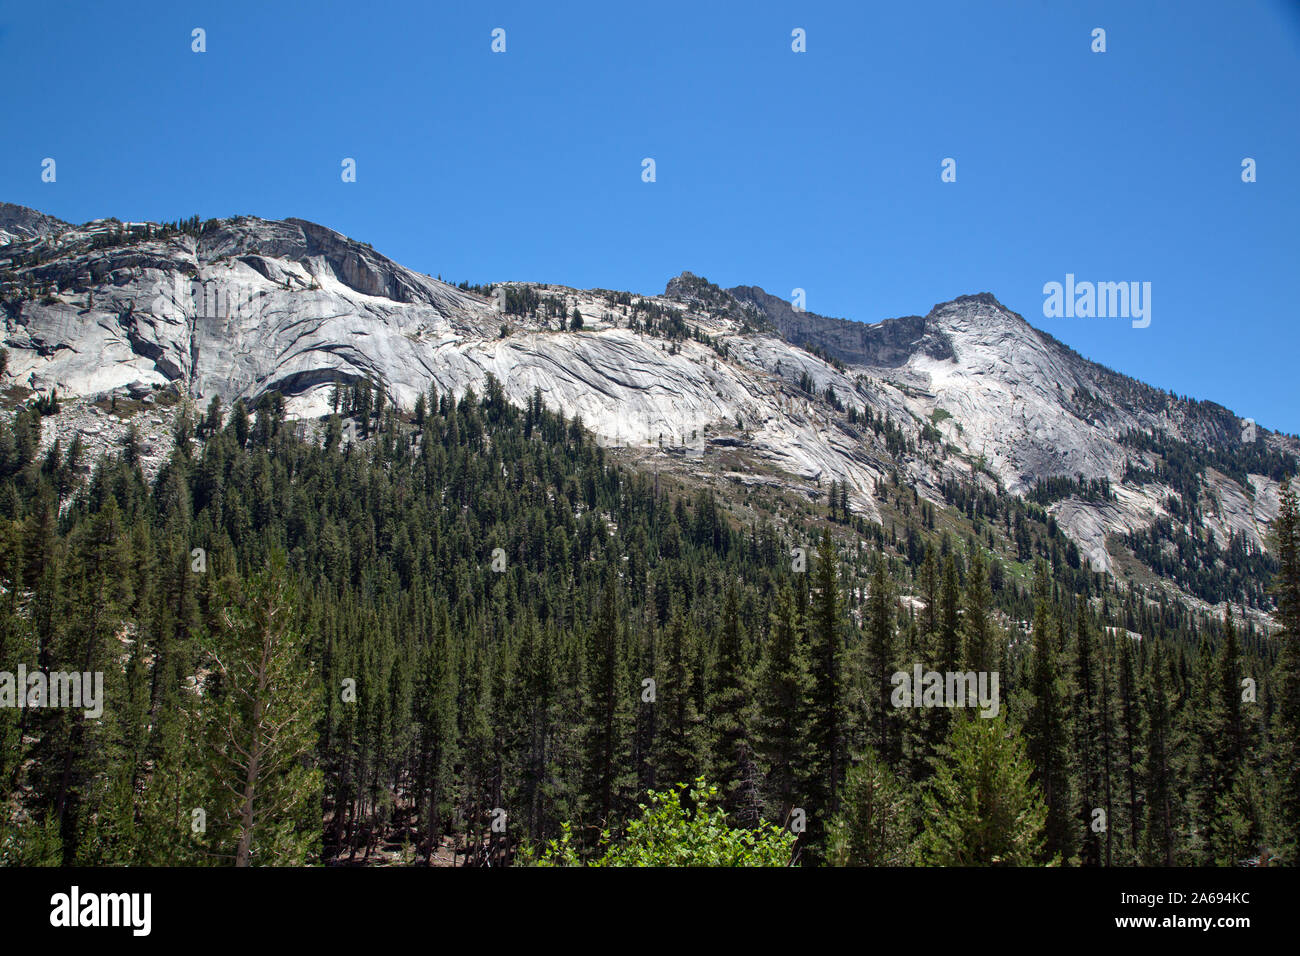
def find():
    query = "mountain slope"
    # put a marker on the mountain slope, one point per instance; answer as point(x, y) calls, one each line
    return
point(969, 394)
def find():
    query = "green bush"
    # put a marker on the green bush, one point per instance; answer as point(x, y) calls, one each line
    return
point(670, 834)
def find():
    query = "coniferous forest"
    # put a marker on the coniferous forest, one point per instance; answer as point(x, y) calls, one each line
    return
point(469, 638)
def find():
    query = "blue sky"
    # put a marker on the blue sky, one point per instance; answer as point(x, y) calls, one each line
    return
point(817, 170)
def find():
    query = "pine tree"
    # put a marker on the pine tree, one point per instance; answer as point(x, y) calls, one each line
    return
point(1088, 736)
point(943, 654)
point(1206, 728)
point(827, 717)
point(435, 704)
point(1046, 732)
point(1158, 841)
point(730, 716)
point(1237, 807)
point(873, 826)
point(981, 809)
point(101, 595)
point(1130, 745)
point(783, 695)
point(949, 618)
point(1283, 828)
point(646, 652)
point(604, 782)
point(261, 726)
point(1107, 743)
point(678, 744)
point(1227, 680)
point(476, 800)
point(880, 664)
point(976, 628)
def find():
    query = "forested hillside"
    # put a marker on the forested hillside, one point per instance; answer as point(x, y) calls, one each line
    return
point(468, 633)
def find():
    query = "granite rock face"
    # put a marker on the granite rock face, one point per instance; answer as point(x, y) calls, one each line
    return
point(237, 307)
point(19, 224)
point(885, 344)
point(246, 307)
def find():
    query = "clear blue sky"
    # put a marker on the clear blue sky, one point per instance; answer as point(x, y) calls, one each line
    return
point(818, 170)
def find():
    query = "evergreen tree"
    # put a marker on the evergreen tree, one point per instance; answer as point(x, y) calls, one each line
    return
point(260, 725)
point(1205, 725)
point(783, 696)
point(1158, 839)
point(827, 717)
point(604, 781)
point(976, 629)
point(435, 704)
point(678, 744)
point(981, 808)
point(880, 665)
point(1089, 742)
point(873, 826)
point(1283, 830)
point(730, 715)
point(1131, 737)
point(1046, 730)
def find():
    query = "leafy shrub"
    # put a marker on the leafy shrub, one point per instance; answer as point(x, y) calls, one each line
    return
point(670, 834)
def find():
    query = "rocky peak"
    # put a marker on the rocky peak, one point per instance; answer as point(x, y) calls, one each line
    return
point(690, 289)
point(19, 223)
point(980, 311)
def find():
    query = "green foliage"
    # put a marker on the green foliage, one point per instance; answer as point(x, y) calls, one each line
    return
point(1046, 728)
point(874, 825)
point(1284, 820)
point(673, 831)
point(518, 683)
point(259, 719)
point(981, 808)
point(783, 701)
point(827, 721)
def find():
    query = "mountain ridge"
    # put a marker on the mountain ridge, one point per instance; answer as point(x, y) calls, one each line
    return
point(970, 392)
